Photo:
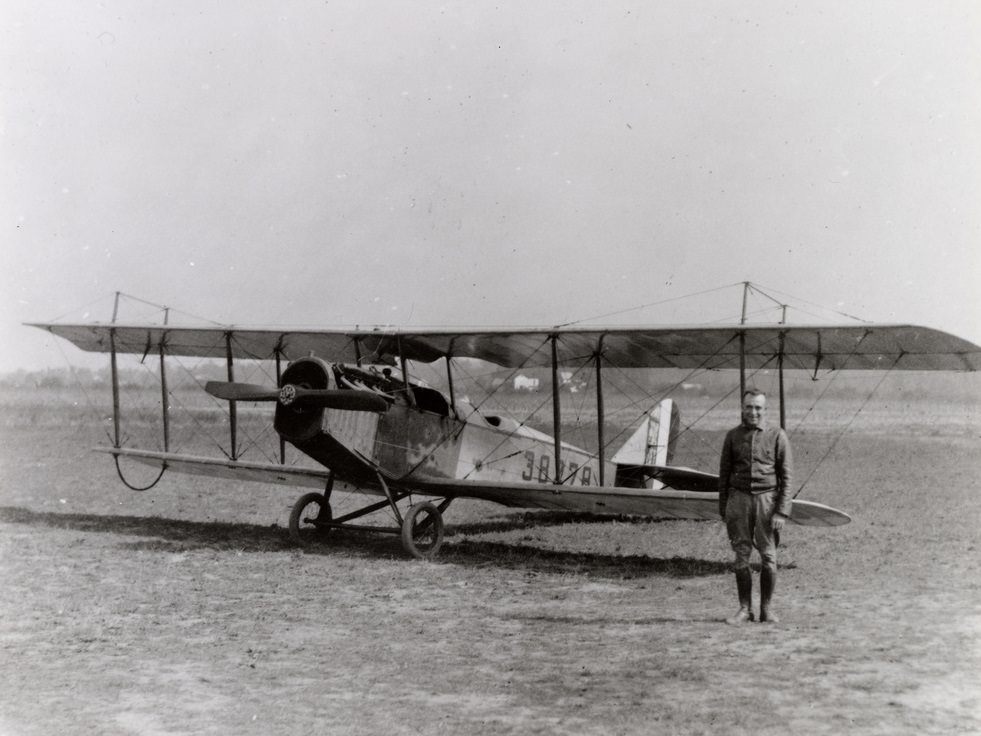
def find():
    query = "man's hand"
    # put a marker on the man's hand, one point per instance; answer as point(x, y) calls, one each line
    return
point(778, 521)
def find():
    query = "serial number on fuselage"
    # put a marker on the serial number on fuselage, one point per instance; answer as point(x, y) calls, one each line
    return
point(538, 467)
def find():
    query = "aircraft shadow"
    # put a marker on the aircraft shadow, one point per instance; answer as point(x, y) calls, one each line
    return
point(175, 535)
point(532, 519)
point(614, 621)
point(160, 533)
point(527, 557)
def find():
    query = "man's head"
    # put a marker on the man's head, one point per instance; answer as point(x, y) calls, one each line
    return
point(754, 408)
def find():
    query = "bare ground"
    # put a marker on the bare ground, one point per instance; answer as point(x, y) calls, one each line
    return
point(183, 610)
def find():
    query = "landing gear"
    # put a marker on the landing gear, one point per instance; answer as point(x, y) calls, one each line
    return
point(310, 519)
point(422, 530)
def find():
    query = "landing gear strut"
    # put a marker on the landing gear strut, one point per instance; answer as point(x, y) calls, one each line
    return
point(421, 529)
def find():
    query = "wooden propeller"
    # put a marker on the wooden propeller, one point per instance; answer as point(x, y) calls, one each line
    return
point(288, 395)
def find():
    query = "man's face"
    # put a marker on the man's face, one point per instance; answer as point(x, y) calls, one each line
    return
point(754, 410)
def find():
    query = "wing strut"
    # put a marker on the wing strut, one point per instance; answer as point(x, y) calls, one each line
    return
point(114, 371)
point(232, 405)
point(742, 345)
point(600, 411)
point(783, 408)
point(556, 410)
point(404, 365)
point(780, 349)
point(164, 400)
point(279, 382)
point(449, 381)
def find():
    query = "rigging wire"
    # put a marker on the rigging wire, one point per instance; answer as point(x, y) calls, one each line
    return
point(93, 408)
point(190, 413)
point(90, 402)
point(693, 372)
point(730, 318)
point(848, 425)
point(84, 306)
point(493, 393)
point(812, 304)
point(171, 310)
point(834, 375)
point(646, 306)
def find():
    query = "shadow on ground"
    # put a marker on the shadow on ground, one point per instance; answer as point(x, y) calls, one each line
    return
point(174, 535)
point(538, 519)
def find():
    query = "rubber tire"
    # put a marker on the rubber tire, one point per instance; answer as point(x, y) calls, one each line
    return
point(422, 552)
point(301, 536)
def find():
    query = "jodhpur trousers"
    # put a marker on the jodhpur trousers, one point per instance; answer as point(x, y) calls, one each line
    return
point(749, 523)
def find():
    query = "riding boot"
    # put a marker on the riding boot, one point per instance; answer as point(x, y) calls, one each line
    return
point(768, 580)
point(744, 586)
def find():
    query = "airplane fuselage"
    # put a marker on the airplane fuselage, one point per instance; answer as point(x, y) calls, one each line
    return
point(422, 437)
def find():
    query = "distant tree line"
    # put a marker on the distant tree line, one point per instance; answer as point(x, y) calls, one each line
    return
point(66, 378)
point(911, 385)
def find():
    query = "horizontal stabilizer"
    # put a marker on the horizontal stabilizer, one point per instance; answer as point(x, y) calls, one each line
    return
point(684, 479)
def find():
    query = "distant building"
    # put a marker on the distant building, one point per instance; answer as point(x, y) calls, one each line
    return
point(570, 383)
point(526, 383)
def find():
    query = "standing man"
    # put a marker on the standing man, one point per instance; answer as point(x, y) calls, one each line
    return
point(754, 483)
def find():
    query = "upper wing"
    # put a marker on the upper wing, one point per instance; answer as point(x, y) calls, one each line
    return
point(898, 347)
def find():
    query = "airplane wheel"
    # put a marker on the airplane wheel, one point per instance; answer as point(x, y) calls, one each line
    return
point(309, 509)
point(422, 531)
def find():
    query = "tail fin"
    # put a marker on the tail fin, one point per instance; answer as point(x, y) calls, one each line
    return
point(651, 444)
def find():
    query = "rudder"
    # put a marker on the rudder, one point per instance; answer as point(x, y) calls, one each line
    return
point(651, 444)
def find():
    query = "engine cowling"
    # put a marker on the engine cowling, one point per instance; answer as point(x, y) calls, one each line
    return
point(299, 422)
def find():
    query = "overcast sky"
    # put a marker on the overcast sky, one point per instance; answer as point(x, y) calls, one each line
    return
point(451, 163)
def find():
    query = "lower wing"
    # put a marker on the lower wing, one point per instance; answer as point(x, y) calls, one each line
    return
point(659, 503)
point(228, 469)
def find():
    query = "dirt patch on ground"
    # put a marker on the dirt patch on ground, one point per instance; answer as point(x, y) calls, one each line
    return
point(184, 611)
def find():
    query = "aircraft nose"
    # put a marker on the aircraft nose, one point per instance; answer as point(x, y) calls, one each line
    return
point(287, 394)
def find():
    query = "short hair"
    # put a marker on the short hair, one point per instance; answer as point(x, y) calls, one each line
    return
point(753, 391)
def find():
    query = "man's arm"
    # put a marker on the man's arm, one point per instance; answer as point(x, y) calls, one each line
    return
point(725, 468)
point(785, 472)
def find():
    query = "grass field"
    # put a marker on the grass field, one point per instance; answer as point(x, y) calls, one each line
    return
point(183, 610)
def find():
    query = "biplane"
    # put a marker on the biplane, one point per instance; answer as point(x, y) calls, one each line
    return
point(348, 400)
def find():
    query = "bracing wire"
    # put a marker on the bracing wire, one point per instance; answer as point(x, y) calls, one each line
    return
point(693, 372)
point(828, 385)
point(811, 304)
point(83, 307)
point(164, 308)
point(647, 306)
point(848, 425)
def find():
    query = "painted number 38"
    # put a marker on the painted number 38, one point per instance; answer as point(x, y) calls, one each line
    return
point(539, 467)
